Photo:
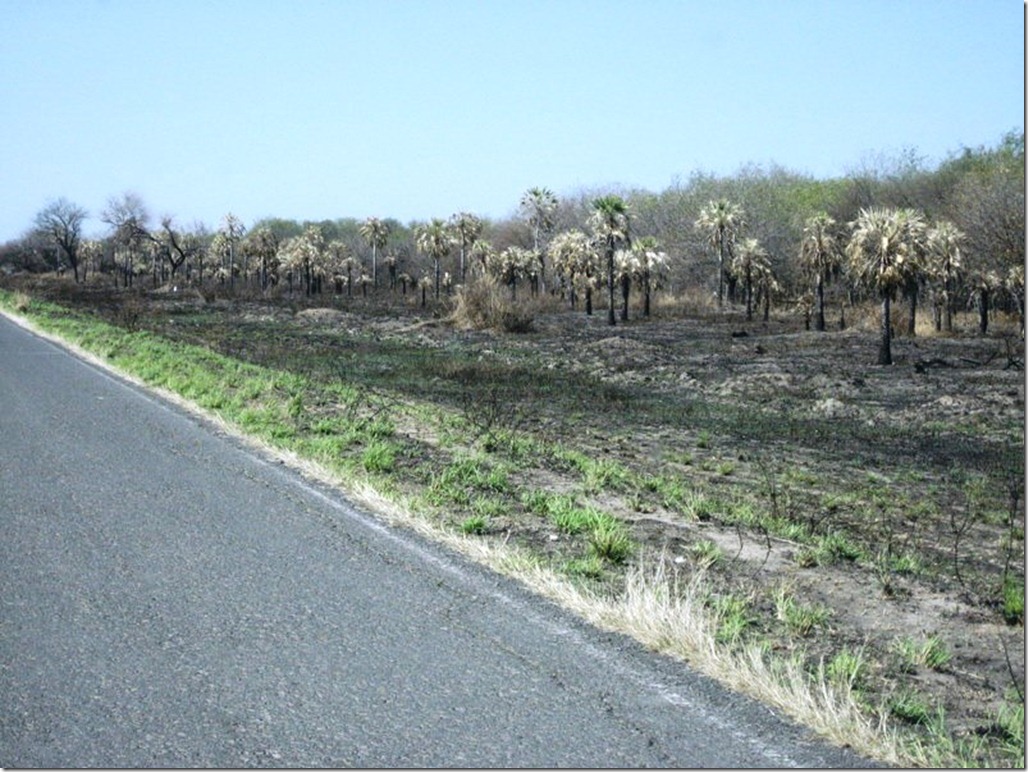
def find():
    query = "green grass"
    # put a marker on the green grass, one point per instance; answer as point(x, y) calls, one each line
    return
point(607, 537)
point(931, 653)
point(465, 478)
point(1010, 720)
point(490, 507)
point(474, 525)
point(379, 457)
point(597, 474)
point(707, 553)
point(1013, 601)
point(911, 707)
point(733, 617)
point(846, 668)
point(589, 567)
point(610, 540)
point(800, 619)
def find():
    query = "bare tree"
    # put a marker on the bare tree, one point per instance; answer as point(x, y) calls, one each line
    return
point(179, 247)
point(60, 222)
point(128, 217)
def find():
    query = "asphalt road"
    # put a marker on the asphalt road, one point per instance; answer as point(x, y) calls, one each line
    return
point(170, 598)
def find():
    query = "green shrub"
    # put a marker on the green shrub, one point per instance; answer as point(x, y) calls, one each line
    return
point(911, 707)
point(931, 653)
point(590, 567)
point(474, 525)
point(846, 668)
point(1013, 601)
point(732, 615)
point(800, 619)
point(706, 552)
point(610, 540)
point(379, 457)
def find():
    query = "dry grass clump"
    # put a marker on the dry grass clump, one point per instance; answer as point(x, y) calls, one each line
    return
point(689, 301)
point(482, 304)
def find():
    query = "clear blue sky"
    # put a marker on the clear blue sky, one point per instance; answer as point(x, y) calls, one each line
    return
point(420, 108)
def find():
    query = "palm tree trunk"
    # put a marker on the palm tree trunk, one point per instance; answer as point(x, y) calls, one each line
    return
point(819, 323)
point(885, 346)
point(720, 281)
point(610, 283)
point(983, 312)
point(626, 285)
point(912, 319)
point(720, 267)
point(947, 308)
point(749, 296)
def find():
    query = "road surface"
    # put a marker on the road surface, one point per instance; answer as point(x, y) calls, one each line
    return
point(171, 598)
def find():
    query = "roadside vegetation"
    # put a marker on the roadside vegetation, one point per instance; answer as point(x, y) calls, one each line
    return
point(758, 455)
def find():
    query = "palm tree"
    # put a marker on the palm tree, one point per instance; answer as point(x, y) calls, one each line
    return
point(721, 221)
point(375, 233)
point(232, 229)
point(219, 251)
point(627, 268)
point(538, 206)
point(261, 243)
point(914, 266)
point(339, 260)
point(573, 257)
point(878, 250)
point(746, 264)
point(652, 263)
point(983, 283)
point(944, 262)
point(466, 228)
point(609, 222)
point(305, 255)
point(482, 253)
point(766, 284)
point(821, 257)
point(433, 239)
point(91, 252)
point(425, 283)
point(513, 263)
point(1014, 285)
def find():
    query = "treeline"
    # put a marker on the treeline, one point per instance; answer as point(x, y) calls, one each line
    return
point(741, 239)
